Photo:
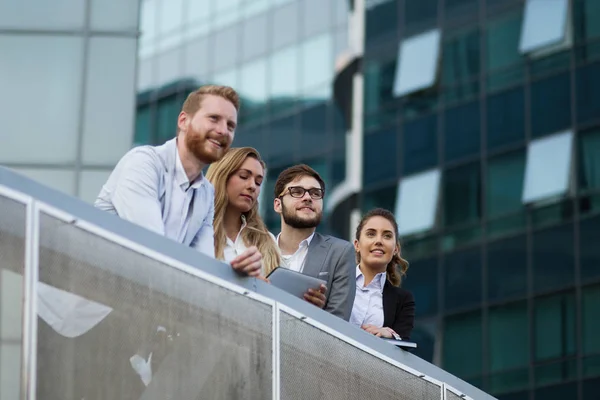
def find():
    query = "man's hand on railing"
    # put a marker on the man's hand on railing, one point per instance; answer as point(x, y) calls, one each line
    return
point(249, 262)
point(316, 296)
point(379, 332)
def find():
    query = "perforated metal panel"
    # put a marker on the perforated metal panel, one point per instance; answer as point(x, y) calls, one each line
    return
point(453, 396)
point(206, 342)
point(317, 365)
point(12, 260)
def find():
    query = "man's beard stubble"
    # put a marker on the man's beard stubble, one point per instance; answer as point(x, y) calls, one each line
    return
point(196, 144)
point(298, 223)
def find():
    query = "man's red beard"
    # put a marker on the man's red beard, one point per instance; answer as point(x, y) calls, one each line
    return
point(197, 143)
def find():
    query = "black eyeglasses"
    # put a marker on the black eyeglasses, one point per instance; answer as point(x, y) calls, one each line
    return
point(298, 192)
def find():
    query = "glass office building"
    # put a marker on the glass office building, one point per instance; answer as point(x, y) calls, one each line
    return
point(67, 89)
point(482, 132)
point(278, 54)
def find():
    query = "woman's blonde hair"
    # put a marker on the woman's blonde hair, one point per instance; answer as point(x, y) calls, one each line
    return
point(256, 233)
point(397, 267)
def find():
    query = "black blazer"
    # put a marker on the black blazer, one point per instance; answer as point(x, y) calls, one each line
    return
point(398, 310)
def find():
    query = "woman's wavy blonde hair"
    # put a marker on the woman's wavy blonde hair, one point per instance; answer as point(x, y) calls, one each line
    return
point(397, 267)
point(256, 233)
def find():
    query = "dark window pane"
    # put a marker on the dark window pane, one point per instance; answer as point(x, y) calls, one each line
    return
point(555, 372)
point(461, 8)
point(505, 176)
point(590, 322)
point(419, 13)
point(462, 131)
point(384, 198)
point(380, 156)
point(554, 327)
point(168, 111)
point(420, 145)
point(591, 388)
point(553, 258)
point(379, 80)
point(425, 333)
point(588, 93)
point(587, 20)
point(143, 134)
point(502, 44)
point(514, 396)
point(462, 345)
point(280, 143)
point(461, 57)
point(550, 105)
point(381, 20)
point(505, 118)
point(463, 279)
point(250, 135)
point(558, 392)
point(507, 268)
point(422, 281)
point(551, 63)
point(509, 347)
point(589, 161)
point(314, 124)
point(462, 195)
point(590, 251)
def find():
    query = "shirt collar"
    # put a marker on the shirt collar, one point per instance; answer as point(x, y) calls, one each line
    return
point(379, 279)
point(305, 241)
point(181, 177)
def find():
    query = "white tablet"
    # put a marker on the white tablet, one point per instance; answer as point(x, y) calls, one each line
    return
point(294, 282)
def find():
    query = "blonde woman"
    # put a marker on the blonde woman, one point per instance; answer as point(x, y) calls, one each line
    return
point(237, 179)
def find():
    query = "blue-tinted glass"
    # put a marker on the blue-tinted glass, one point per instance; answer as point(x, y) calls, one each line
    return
point(422, 281)
point(462, 345)
point(505, 176)
point(338, 168)
point(419, 13)
point(339, 124)
point(502, 44)
point(420, 145)
point(143, 133)
point(590, 304)
point(558, 392)
point(314, 137)
point(462, 195)
point(587, 20)
point(425, 334)
point(589, 162)
point(588, 93)
point(551, 105)
point(554, 327)
point(505, 118)
point(461, 57)
point(380, 157)
point(384, 198)
point(589, 249)
point(382, 21)
point(250, 135)
point(507, 268)
point(591, 388)
point(463, 279)
point(462, 130)
point(553, 258)
point(455, 8)
point(280, 143)
point(168, 111)
point(379, 80)
point(514, 396)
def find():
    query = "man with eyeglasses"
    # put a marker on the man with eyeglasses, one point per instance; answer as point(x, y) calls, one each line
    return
point(299, 193)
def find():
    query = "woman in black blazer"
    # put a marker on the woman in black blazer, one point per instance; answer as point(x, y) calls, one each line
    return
point(381, 307)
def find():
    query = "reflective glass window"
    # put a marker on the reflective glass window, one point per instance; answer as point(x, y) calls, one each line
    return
point(461, 57)
point(143, 134)
point(379, 81)
point(286, 22)
point(462, 195)
point(317, 61)
point(114, 15)
point(548, 167)
point(197, 10)
point(279, 145)
point(253, 90)
point(587, 19)
point(317, 17)
point(590, 304)
point(588, 93)
point(551, 104)
point(419, 13)
point(170, 16)
point(544, 24)
point(505, 118)
point(420, 149)
point(589, 249)
point(226, 46)
point(463, 285)
point(58, 14)
point(315, 135)
point(58, 179)
point(254, 37)
point(197, 65)
point(553, 258)
point(504, 186)
point(422, 281)
point(589, 162)
point(284, 74)
point(462, 349)
point(57, 85)
point(418, 58)
point(462, 131)
point(381, 21)
point(90, 183)
point(507, 268)
point(503, 60)
point(416, 207)
point(168, 110)
point(384, 198)
point(557, 392)
point(380, 159)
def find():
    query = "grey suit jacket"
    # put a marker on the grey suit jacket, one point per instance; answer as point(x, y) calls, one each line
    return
point(335, 260)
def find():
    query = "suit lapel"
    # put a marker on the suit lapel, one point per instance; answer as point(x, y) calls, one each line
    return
point(317, 253)
point(390, 302)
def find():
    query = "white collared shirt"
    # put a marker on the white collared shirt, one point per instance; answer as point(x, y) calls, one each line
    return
point(368, 302)
point(296, 261)
point(234, 248)
point(177, 215)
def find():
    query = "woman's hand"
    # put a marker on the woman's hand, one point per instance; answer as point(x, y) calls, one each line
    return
point(379, 332)
point(249, 262)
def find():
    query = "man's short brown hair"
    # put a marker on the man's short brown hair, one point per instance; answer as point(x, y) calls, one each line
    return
point(292, 173)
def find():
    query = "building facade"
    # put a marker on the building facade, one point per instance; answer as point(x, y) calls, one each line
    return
point(278, 54)
point(67, 89)
point(482, 133)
